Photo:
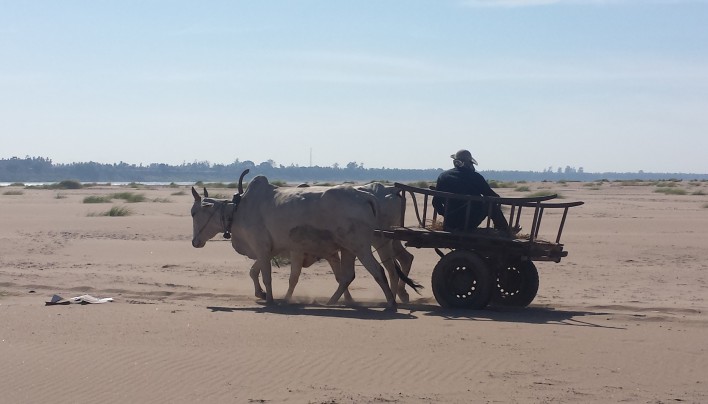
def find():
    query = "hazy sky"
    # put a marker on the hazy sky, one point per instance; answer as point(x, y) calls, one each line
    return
point(607, 85)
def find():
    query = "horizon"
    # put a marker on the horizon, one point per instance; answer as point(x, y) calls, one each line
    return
point(602, 85)
point(574, 170)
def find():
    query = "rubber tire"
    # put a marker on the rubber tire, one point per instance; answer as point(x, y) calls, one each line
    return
point(518, 288)
point(461, 279)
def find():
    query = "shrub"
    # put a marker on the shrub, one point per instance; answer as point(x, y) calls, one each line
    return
point(279, 183)
point(178, 193)
point(14, 193)
point(670, 191)
point(129, 197)
point(280, 261)
point(420, 184)
point(544, 193)
point(501, 184)
point(522, 188)
point(162, 200)
point(97, 199)
point(114, 211)
point(699, 192)
point(69, 184)
point(17, 184)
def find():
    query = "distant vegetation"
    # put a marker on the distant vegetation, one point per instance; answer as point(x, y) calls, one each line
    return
point(39, 169)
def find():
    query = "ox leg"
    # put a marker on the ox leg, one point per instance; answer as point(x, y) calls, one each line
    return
point(336, 264)
point(405, 259)
point(346, 276)
point(388, 260)
point(367, 259)
point(264, 265)
point(296, 260)
point(253, 273)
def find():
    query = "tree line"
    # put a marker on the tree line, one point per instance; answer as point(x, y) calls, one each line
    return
point(41, 169)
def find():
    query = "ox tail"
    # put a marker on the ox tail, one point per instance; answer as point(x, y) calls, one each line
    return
point(410, 282)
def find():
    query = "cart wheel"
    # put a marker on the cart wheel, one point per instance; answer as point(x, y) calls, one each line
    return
point(462, 280)
point(516, 285)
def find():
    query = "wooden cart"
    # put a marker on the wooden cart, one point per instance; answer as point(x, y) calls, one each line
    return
point(483, 264)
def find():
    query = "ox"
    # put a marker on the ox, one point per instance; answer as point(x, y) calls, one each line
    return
point(266, 221)
point(394, 257)
point(391, 252)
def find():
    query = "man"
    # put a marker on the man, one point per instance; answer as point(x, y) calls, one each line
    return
point(463, 179)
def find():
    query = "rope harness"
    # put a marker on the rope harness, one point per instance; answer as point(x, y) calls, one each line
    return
point(225, 219)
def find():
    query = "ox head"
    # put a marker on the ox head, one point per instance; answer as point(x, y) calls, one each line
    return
point(212, 216)
point(206, 218)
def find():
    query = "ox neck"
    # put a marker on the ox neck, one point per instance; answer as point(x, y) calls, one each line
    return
point(228, 211)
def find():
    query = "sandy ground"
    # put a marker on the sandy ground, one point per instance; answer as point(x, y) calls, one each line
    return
point(621, 319)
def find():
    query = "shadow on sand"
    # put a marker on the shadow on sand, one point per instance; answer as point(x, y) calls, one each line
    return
point(411, 311)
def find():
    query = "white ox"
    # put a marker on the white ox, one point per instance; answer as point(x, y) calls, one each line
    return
point(394, 257)
point(391, 252)
point(267, 221)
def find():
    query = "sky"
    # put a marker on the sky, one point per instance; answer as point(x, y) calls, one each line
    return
point(602, 85)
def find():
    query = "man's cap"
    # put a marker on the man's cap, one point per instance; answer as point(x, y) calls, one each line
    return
point(464, 155)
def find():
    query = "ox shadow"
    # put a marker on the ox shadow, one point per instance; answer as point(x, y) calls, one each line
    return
point(408, 311)
point(529, 315)
point(355, 311)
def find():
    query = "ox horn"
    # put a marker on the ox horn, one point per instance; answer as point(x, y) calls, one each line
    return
point(240, 180)
point(206, 193)
point(196, 195)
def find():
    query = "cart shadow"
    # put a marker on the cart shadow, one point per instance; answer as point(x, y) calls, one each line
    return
point(528, 315)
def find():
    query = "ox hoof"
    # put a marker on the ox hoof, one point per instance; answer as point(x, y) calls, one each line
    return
point(260, 295)
point(403, 297)
point(391, 309)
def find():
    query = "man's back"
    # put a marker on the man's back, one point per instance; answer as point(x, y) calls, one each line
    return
point(464, 181)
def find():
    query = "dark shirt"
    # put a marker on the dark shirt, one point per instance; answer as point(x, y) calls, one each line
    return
point(465, 181)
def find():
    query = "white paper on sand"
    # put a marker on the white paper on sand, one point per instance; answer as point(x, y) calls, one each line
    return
point(84, 299)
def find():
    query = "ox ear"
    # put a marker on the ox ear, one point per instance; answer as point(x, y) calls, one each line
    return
point(206, 194)
point(197, 198)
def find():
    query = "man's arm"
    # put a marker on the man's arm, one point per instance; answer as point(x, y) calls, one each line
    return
point(483, 186)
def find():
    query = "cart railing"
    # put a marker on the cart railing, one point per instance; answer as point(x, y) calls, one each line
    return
point(539, 204)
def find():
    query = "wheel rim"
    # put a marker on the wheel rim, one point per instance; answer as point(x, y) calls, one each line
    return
point(516, 284)
point(510, 281)
point(462, 281)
